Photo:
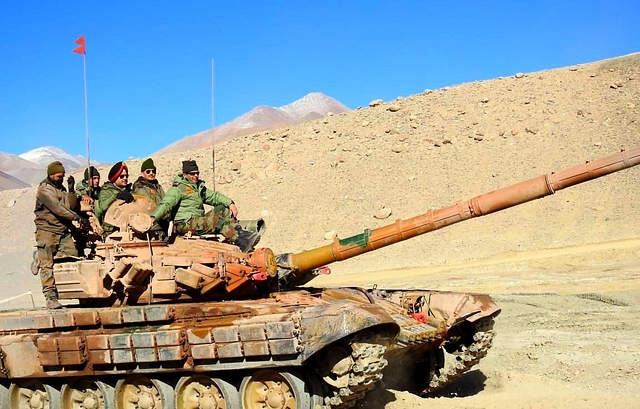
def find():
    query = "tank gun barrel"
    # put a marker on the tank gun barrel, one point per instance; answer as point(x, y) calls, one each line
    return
point(341, 249)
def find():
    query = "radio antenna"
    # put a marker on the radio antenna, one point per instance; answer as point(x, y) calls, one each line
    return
point(213, 136)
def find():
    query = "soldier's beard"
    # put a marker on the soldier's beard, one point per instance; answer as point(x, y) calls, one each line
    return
point(58, 183)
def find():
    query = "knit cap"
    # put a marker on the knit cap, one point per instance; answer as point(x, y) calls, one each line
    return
point(147, 164)
point(90, 172)
point(55, 167)
point(189, 166)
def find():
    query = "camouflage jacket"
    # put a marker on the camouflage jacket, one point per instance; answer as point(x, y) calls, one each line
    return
point(107, 196)
point(153, 190)
point(189, 199)
point(83, 190)
point(53, 208)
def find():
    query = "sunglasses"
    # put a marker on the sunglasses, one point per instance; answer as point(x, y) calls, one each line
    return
point(123, 176)
point(150, 171)
point(194, 173)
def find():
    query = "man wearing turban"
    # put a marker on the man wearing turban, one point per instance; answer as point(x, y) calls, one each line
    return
point(116, 187)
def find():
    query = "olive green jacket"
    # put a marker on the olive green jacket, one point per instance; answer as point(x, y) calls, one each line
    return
point(151, 189)
point(83, 190)
point(189, 199)
point(106, 197)
point(53, 208)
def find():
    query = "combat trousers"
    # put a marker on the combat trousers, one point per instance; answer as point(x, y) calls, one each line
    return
point(218, 220)
point(49, 244)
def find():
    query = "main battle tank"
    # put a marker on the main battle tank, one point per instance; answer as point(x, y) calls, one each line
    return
point(193, 323)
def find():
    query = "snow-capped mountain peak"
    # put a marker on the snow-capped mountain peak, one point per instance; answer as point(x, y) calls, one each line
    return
point(313, 102)
point(47, 154)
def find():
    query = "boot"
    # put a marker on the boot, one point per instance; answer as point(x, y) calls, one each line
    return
point(246, 240)
point(52, 300)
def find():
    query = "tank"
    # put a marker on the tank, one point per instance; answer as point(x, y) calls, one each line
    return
point(193, 323)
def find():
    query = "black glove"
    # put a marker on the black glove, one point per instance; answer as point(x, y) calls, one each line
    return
point(83, 222)
point(71, 184)
point(126, 196)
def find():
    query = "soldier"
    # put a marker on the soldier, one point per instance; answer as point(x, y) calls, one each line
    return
point(146, 184)
point(185, 200)
point(116, 188)
point(54, 220)
point(89, 189)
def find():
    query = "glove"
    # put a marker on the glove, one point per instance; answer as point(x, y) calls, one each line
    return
point(81, 223)
point(126, 196)
point(71, 183)
point(84, 222)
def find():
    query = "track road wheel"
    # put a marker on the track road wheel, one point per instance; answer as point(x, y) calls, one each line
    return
point(33, 394)
point(274, 390)
point(203, 392)
point(86, 393)
point(142, 392)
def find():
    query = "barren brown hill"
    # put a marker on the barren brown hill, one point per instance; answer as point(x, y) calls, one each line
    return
point(564, 269)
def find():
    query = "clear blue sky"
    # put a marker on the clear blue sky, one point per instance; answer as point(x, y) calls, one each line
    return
point(149, 62)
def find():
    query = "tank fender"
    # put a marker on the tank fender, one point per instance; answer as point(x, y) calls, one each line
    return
point(456, 308)
point(326, 324)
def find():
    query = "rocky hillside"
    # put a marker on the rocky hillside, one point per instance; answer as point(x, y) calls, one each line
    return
point(349, 171)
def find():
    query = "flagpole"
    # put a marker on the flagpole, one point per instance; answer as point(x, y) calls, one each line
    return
point(213, 136)
point(86, 112)
point(81, 49)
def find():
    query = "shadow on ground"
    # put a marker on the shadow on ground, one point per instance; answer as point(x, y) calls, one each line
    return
point(469, 384)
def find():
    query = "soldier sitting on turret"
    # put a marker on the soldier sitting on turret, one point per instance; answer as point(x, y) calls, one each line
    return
point(186, 199)
point(116, 188)
point(147, 185)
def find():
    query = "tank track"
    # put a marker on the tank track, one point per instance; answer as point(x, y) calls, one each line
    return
point(468, 357)
point(365, 371)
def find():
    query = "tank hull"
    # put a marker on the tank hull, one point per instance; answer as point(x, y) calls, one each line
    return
point(334, 343)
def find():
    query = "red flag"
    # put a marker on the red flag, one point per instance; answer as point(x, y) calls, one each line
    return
point(80, 48)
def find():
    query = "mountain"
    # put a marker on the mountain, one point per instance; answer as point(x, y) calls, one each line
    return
point(21, 169)
point(47, 154)
point(8, 182)
point(262, 118)
point(30, 167)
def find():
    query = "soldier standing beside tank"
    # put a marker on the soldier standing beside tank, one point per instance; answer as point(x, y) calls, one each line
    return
point(185, 201)
point(54, 220)
point(116, 188)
